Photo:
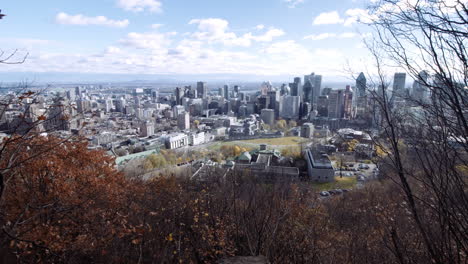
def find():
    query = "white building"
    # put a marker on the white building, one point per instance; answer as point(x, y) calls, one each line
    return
point(176, 141)
point(196, 138)
point(177, 110)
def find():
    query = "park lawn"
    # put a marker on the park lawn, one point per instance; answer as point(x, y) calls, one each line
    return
point(339, 183)
point(282, 141)
point(278, 143)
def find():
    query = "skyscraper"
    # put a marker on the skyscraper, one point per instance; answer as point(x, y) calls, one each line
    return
point(179, 94)
point(399, 81)
point(268, 116)
point(348, 103)
point(183, 121)
point(308, 91)
point(295, 87)
point(265, 88)
point(361, 84)
point(290, 107)
point(336, 104)
point(285, 89)
point(202, 90)
point(317, 84)
point(226, 92)
point(420, 90)
point(315, 87)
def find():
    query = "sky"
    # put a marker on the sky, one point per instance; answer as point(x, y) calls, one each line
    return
point(255, 37)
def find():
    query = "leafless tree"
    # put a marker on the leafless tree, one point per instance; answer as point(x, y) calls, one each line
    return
point(424, 135)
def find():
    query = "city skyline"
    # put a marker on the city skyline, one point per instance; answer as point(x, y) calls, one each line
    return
point(277, 37)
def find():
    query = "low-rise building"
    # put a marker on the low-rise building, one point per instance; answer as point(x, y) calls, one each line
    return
point(307, 130)
point(196, 138)
point(319, 167)
point(175, 141)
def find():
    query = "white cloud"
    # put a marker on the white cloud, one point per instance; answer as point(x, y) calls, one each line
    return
point(216, 30)
point(328, 18)
point(320, 36)
point(66, 19)
point(259, 27)
point(358, 15)
point(209, 47)
point(269, 35)
point(347, 35)
point(156, 42)
point(156, 26)
point(323, 36)
point(154, 6)
point(113, 50)
point(293, 3)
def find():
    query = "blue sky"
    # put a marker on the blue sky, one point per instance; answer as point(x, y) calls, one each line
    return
point(262, 37)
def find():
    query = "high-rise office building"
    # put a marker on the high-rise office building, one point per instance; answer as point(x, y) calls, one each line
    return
point(274, 101)
point(294, 89)
point(317, 84)
point(226, 92)
point(108, 105)
point(120, 105)
point(297, 87)
point(179, 94)
point(177, 110)
point(315, 87)
point(361, 85)
point(265, 88)
point(399, 80)
point(336, 104)
point(420, 89)
point(285, 89)
point(263, 102)
point(322, 106)
point(202, 90)
point(398, 91)
point(58, 116)
point(308, 91)
point(290, 106)
point(78, 91)
point(183, 121)
point(268, 116)
point(146, 129)
point(348, 103)
point(221, 91)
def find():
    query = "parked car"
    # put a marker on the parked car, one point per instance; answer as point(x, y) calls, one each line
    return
point(338, 191)
point(324, 193)
point(363, 166)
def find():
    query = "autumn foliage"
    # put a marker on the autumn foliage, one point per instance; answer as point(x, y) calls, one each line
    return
point(71, 205)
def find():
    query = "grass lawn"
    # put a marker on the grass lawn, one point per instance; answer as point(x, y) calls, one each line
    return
point(282, 141)
point(340, 183)
point(278, 143)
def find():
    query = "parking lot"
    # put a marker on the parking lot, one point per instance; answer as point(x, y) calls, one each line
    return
point(363, 172)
